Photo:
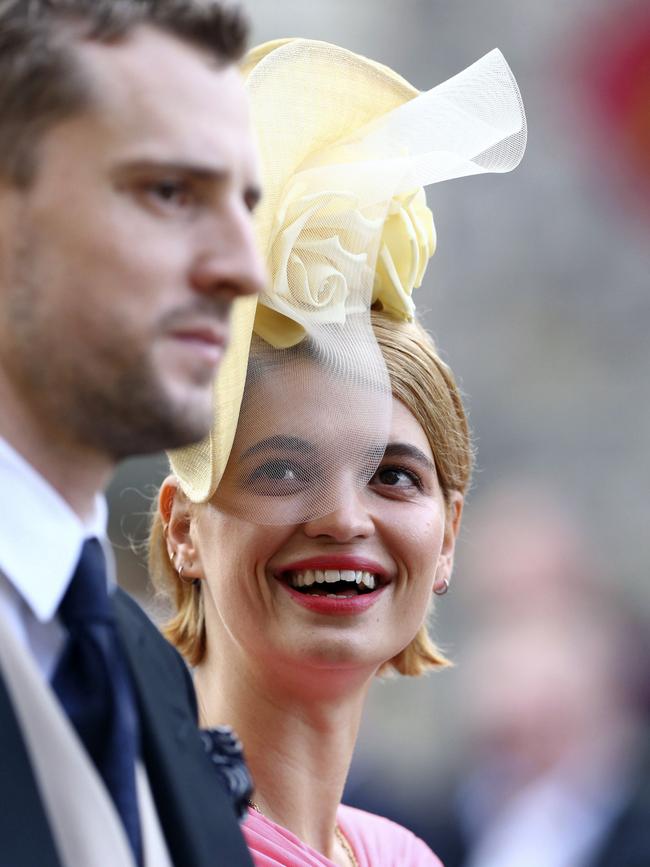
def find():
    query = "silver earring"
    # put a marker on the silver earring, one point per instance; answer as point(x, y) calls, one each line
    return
point(440, 591)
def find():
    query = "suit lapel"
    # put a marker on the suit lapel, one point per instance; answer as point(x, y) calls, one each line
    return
point(195, 813)
point(25, 837)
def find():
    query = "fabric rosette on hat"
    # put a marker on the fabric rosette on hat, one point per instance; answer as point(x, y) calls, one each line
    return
point(346, 147)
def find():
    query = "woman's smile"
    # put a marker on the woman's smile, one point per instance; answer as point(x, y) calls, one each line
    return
point(343, 600)
point(333, 585)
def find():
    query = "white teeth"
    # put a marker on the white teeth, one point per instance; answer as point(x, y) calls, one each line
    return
point(307, 577)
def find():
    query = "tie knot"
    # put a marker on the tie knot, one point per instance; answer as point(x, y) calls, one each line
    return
point(86, 599)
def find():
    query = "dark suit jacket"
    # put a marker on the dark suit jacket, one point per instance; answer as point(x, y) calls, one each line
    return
point(627, 843)
point(195, 813)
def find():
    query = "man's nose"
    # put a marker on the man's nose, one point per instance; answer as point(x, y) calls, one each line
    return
point(229, 263)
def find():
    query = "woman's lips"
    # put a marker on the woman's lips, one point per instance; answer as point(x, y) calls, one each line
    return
point(340, 561)
point(313, 582)
point(334, 605)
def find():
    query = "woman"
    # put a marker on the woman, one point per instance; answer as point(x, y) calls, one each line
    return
point(301, 544)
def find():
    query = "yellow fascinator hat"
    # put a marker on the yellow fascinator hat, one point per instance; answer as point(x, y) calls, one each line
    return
point(346, 146)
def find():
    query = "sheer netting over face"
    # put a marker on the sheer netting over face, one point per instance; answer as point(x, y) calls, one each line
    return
point(294, 456)
point(344, 226)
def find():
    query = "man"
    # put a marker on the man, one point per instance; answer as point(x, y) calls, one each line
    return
point(127, 176)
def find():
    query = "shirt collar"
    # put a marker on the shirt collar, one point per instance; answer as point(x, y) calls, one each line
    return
point(41, 536)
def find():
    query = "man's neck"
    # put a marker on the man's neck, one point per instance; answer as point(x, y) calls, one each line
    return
point(77, 472)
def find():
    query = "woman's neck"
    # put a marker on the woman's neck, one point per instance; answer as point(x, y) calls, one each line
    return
point(298, 741)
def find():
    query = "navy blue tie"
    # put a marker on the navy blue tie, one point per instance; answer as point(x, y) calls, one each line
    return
point(93, 684)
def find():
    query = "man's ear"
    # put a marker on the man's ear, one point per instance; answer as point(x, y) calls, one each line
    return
point(454, 514)
point(176, 513)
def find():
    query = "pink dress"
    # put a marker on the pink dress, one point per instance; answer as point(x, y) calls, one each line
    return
point(376, 842)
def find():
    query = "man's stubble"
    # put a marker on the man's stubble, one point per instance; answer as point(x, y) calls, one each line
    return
point(85, 381)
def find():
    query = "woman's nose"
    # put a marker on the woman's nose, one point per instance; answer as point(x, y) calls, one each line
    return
point(350, 519)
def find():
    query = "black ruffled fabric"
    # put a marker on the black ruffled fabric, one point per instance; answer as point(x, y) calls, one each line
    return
point(227, 756)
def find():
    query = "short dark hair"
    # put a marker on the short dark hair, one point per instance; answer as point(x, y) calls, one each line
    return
point(40, 83)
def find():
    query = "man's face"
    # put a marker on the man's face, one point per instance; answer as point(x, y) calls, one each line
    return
point(119, 264)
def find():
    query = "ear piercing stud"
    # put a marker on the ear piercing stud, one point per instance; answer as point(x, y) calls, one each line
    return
point(440, 591)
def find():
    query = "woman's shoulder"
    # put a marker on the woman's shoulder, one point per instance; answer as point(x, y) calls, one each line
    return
point(380, 841)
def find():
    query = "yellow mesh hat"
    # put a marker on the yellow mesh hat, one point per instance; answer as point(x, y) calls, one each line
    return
point(346, 145)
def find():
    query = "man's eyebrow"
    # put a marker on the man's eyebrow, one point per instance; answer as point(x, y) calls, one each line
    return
point(406, 450)
point(177, 167)
point(279, 443)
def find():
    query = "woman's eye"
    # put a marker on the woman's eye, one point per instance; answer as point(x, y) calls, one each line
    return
point(278, 477)
point(396, 477)
point(278, 471)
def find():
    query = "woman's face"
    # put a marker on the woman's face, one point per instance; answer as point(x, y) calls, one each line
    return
point(348, 589)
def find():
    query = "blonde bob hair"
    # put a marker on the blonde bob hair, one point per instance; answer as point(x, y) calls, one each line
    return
point(426, 386)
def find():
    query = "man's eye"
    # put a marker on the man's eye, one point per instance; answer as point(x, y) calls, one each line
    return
point(171, 192)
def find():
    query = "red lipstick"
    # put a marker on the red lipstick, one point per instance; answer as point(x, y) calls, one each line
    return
point(335, 604)
point(335, 561)
point(338, 605)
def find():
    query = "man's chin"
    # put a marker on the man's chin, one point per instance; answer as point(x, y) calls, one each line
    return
point(195, 404)
point(185, 422)
point(146, 427)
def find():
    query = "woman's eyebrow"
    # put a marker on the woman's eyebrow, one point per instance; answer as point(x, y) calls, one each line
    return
point(279, 442)
point(406, 450)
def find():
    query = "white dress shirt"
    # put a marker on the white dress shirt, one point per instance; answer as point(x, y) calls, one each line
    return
point(40, 542)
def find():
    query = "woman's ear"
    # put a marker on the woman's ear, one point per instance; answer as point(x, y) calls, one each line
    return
point(454, 513)
point(176, 512)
